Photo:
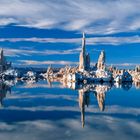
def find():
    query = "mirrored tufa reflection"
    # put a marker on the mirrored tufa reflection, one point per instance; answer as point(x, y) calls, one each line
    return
point(97, 90)
point(4, 90)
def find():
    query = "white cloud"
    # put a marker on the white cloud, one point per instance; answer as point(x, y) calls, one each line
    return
point(124, 65)
point(89, 40)
point(43, 40)
point(27, 52)
point(62, 63)
point(6, 21)
point(32, 62)
point(96, 16)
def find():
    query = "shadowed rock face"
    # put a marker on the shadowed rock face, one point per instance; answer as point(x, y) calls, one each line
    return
point(4, 65)
point(4, 89)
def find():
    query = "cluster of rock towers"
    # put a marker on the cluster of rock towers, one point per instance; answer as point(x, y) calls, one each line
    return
point(84, 59)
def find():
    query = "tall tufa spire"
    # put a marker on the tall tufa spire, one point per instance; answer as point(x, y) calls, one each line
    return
point(1, 57)
point(101, 61)
point(83, 43)
point(3, 63)
point(82, 58)
point(1, 53)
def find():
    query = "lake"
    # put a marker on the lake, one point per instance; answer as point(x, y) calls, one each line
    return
point(51, 111)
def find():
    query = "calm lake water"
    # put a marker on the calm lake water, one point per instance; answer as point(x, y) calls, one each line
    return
point(38, 111)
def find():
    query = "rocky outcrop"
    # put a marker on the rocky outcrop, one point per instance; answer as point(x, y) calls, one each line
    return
point(101, 61)
point(84, 58)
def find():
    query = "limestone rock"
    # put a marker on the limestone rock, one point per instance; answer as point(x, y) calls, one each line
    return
point(101, 61)
point(84, 59)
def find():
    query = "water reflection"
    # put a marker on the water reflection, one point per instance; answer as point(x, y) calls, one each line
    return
point(137, 84)
point(4, 90)
point(54, 107)
point(125, 86)
point(99, 92)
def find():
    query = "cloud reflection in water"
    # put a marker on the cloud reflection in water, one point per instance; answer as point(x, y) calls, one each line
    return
point(38, 112)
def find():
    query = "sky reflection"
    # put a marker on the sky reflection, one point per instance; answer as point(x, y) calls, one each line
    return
point(37, 111)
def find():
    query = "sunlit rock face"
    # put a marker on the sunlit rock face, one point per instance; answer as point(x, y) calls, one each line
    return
point(105, 75)
point(84, 59)
point(4, 65)
point(137, 69)
point(136, 74)
point(101, 61)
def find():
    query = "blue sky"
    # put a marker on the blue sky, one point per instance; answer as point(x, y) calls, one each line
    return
point(43, 32)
